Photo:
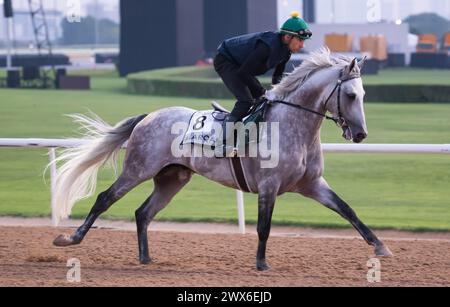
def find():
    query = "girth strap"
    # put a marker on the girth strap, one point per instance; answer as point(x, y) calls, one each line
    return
point(239, 175)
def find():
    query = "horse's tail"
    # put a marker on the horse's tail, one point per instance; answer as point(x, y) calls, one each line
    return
point(77, 176)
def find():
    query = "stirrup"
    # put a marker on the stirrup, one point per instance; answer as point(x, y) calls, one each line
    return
point(223, 151)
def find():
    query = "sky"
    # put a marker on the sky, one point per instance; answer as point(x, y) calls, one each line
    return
point(345, 10)
point(356, 11)
point(62, 4)
point(109, 6)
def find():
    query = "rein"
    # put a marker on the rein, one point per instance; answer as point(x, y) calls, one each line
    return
point(339, 120)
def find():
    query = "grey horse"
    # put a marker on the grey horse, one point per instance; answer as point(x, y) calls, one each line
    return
point(323, 83)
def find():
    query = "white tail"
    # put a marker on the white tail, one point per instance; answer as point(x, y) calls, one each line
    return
point(77, 176)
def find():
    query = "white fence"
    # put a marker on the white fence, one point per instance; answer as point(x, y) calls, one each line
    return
point(52, 144)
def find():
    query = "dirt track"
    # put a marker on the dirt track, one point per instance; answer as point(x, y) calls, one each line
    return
point(108, 258)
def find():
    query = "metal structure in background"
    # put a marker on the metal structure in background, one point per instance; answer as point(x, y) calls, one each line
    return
point(8, 13)
point(42, 39)
point(52, 144)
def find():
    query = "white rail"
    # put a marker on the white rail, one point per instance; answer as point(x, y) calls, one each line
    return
point(52, 144)
point(371, 148)
point(388, 148)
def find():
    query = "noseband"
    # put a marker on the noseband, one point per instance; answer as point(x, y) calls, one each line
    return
point(340, 121)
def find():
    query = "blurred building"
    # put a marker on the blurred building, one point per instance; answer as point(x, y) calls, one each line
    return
point(224, 19)
point(99, 10)
point(163, 33)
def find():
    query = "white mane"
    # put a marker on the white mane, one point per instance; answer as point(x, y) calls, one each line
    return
point(319, 59)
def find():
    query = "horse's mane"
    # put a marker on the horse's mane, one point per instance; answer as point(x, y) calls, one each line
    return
point(318, 60)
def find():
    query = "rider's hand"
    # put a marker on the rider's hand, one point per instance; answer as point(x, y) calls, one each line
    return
point(270, 95)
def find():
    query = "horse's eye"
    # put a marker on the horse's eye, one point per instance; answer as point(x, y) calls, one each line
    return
point(351, 96)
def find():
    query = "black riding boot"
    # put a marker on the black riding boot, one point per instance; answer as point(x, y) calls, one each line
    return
point(239, 111)
point(226, 149)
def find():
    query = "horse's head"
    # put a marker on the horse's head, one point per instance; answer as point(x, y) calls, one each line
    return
point(346, 104)
point(316, 81)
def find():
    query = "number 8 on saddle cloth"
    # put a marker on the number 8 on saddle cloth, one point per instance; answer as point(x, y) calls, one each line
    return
point(205, 127)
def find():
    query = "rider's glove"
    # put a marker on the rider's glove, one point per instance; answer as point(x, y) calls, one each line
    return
point(270, 95)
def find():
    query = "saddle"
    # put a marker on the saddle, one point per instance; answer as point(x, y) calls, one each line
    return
point(256, 114)
point(217, 107)
point(203, 124)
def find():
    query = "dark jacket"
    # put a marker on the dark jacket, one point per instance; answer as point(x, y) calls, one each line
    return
point(255, 54)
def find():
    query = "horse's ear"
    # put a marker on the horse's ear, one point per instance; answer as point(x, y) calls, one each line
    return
point(361, 63)
point(352, 66)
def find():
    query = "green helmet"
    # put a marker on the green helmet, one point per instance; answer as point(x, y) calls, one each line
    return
point(296, 26)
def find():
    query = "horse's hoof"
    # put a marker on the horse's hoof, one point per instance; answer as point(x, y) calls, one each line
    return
point(145, 261)
point(262, 266)
point(383, 251)
point(64, 240)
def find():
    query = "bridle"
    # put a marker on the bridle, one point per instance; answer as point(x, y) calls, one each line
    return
point(340, 121)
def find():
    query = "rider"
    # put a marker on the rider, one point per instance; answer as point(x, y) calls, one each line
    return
point(240, 59)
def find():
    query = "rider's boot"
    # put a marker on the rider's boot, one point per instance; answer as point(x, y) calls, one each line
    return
point(227, 148)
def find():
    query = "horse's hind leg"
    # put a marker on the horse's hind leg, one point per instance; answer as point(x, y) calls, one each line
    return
point(106, 199)
point(168, 183)
point(321, 192)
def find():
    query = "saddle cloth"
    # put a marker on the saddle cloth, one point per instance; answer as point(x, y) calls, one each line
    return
point(202, 128)
point(205, 127)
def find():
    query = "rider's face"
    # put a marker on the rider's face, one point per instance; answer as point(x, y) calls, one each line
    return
point(295, 44)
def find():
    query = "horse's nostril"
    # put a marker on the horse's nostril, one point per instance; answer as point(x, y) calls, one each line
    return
point(361, 136)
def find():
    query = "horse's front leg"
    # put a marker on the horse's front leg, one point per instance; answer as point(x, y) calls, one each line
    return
point(266, 203)
point(320, 191)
